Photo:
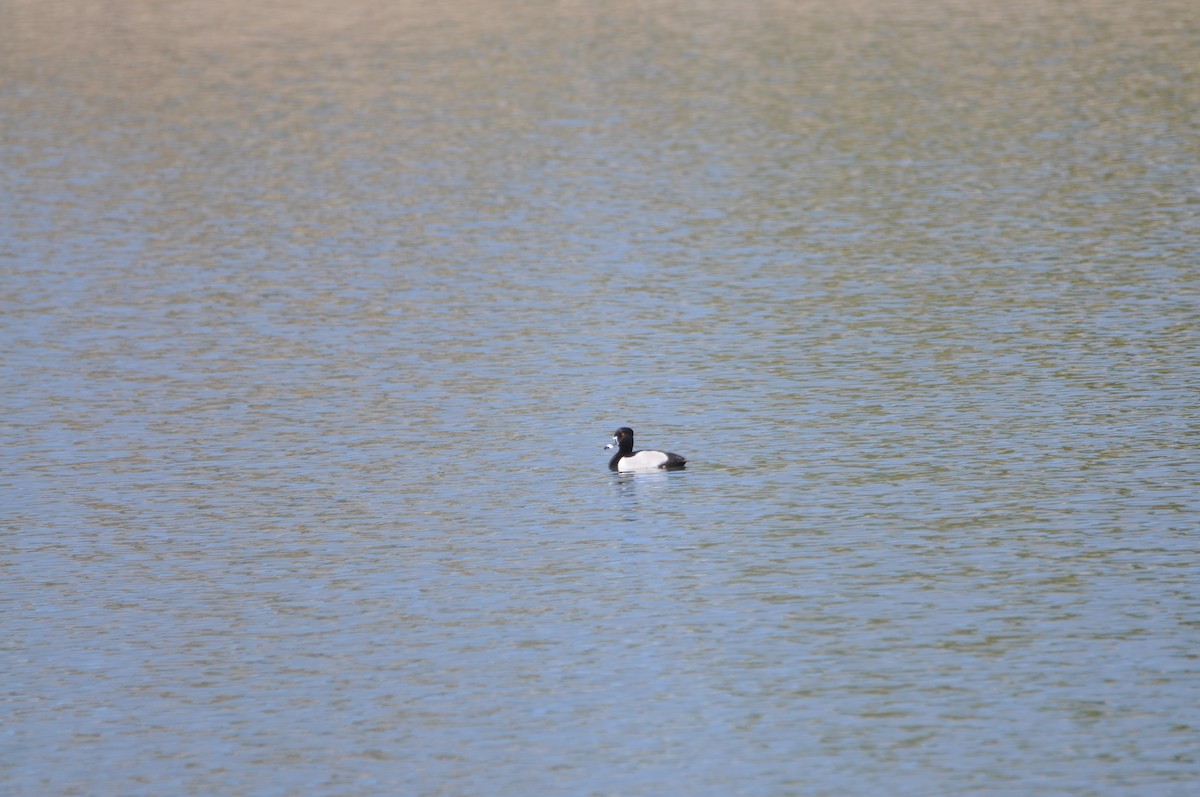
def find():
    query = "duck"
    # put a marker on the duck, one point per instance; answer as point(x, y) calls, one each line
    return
point(628, 459)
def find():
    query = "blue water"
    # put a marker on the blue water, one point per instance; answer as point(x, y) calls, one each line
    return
point(313, 329)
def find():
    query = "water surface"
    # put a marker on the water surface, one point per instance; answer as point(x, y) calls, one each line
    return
point(314, 321)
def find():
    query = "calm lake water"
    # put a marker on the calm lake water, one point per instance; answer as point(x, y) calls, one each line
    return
point(315, 317)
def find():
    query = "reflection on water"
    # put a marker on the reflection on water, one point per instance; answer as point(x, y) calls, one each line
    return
point(641, 492)
point(312, 319)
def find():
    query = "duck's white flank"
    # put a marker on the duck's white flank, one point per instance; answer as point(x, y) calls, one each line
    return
point(642, 460)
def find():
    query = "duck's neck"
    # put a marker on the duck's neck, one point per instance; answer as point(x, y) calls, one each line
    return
point(623, 450)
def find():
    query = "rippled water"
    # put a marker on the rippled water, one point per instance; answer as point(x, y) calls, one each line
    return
point(314, 319)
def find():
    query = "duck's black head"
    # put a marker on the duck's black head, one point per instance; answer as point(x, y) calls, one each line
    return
point(622, 440)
